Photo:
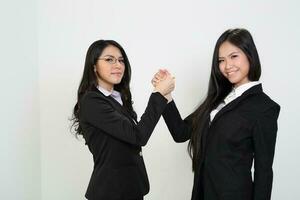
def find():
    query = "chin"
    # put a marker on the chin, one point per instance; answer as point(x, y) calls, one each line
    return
point(117, 81)
point(233, 81)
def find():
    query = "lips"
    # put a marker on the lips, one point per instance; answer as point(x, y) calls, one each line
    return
point(117, 73)
point(231, 72)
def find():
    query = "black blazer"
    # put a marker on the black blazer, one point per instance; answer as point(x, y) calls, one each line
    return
point(243, 131)
point(115, 141)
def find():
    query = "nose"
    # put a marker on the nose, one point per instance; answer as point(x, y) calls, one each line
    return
point(118, 65)
point(228, 64)
point(117, 62)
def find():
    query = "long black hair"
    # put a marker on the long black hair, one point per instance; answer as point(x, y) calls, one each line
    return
point(89, 80)
point(219, 86)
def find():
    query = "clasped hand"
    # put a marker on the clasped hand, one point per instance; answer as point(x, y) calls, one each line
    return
point(164, 83)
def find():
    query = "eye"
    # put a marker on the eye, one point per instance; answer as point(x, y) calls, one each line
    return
point(121, 61)
point(234, 56)
point(220, 61)
point(110, 60)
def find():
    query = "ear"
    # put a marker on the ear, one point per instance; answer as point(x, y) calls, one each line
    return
point(95, 69)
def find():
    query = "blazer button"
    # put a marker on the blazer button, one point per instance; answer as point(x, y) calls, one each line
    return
point(140, 153)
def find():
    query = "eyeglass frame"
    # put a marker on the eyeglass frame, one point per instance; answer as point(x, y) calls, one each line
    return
point(114, 60)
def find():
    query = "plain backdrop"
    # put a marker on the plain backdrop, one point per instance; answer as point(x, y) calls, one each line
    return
point(43, 47)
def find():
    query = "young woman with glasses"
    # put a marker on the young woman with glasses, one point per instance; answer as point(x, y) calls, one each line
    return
point(104, 116)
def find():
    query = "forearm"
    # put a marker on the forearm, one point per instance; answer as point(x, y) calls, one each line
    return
point(151, 116)
point(179, 129)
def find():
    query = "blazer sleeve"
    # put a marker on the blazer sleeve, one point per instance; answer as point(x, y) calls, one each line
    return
point(264, 134)
point(179, 129)
point(96, 111)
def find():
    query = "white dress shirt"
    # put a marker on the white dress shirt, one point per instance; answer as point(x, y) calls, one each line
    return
point(114, 94)
point(235, 93)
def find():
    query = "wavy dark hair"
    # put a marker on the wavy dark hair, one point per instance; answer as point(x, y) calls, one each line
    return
point(219, 87)
point(89, 80)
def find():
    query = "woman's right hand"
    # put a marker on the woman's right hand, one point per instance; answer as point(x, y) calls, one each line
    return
point(163, 82)
point(160, 75)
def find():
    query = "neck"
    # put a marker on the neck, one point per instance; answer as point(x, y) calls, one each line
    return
point(240, 84)
point(107, 86)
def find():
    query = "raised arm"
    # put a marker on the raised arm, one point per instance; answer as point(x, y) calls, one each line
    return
point(96, 111)
point(180, 129)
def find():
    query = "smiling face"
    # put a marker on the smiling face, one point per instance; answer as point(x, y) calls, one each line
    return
point(233, 64)
point(110, 67)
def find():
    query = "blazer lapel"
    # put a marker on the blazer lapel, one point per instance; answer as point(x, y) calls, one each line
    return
point(254, 90)
point(120, 108)
point(116, 105)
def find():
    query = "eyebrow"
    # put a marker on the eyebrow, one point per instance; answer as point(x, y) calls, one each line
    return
point(112, 56)
point(230, 54)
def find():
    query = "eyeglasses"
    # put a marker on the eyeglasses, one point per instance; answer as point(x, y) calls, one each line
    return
point(112, 60)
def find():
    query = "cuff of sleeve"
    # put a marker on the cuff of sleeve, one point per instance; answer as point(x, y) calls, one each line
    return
point(159, 98)
point(170, 108)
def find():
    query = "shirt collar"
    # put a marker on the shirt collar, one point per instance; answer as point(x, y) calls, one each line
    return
point(238, 91)
point(107, 93)
point(243, 88)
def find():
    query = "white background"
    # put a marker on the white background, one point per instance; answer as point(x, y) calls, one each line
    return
point(43, 47)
